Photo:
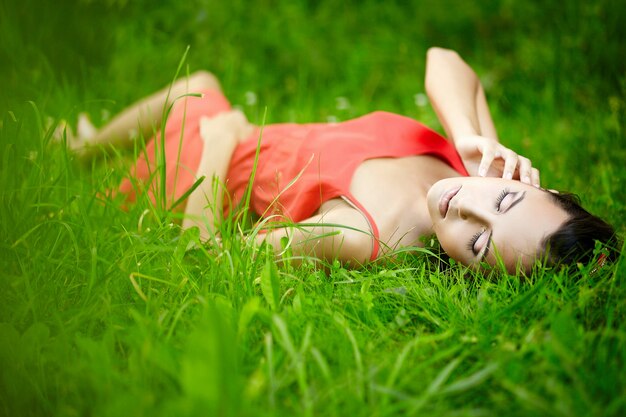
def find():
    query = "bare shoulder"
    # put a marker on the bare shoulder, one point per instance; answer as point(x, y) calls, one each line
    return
point(394, 192)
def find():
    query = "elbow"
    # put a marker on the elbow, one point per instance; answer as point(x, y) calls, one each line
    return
point(355, 247)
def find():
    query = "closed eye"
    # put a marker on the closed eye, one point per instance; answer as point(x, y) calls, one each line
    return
point(507, 200)
point(480, 243)
point(503, 194)
point(471, 245)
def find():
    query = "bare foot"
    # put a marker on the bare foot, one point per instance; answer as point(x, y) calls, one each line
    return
point(85, 132)
point(85, 129)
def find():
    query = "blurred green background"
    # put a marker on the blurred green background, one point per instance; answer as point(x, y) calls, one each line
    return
point(101, 314)
point(545, 64)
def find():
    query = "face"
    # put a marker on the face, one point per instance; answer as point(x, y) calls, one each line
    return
point(486, 219)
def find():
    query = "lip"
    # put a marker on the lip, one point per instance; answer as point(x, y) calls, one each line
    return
point(444, 201)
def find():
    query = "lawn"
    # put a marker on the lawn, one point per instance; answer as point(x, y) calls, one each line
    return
point(108, 311)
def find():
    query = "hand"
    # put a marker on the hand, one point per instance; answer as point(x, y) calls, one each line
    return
point(231, 122)
point(484, 156)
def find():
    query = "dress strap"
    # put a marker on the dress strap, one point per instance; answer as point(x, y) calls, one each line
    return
point(354, 203)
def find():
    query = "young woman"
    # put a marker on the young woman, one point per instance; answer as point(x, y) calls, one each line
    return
point(359, 189)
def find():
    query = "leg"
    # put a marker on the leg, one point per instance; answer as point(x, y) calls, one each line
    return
point(141, 116)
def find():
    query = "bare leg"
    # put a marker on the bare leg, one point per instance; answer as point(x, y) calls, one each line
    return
point(140, 117)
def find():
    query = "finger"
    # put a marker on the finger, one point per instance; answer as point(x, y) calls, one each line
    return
point(525, 168)
point(485, 162)
point(509, 165)
point(534, 175)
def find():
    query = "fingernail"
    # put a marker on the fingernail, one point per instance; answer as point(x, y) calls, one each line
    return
point(508, 176)
point(482, 172)
point(526, 179)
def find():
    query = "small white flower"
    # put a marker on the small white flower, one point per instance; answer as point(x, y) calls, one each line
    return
point(201, 16)
point(251, 98)
point(420, 99)
point(342, 103)
point(487, 81)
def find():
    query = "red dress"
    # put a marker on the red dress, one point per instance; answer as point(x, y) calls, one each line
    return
point(300, 166)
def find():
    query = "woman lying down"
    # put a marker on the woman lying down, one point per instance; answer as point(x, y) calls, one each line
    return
point(359, 189)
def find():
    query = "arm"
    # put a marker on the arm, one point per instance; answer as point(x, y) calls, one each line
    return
point(221, 134)
point(337, 232)
point(459, 101)
point(452, 87)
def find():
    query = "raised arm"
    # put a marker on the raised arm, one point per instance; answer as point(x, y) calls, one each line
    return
point(459, 100)
point(455, 93)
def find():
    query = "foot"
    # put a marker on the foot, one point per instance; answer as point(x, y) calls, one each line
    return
point(85, 132)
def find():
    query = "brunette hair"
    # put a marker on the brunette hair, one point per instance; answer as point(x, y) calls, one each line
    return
point(576, 239)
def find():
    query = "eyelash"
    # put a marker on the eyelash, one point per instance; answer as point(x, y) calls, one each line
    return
point(472, 242)
point(501, 196)
point(474, 239)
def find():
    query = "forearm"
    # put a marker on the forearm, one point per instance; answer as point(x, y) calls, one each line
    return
point(456, 95)
point(342, 233)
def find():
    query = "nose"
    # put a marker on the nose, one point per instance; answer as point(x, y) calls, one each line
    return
point(472, 210)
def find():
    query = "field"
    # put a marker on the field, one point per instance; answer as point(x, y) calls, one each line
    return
point(108, 311)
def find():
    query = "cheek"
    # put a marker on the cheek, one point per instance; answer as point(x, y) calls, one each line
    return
point(510, 251)
point(453, 241)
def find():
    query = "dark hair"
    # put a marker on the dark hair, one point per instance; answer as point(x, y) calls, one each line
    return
point(576, 239)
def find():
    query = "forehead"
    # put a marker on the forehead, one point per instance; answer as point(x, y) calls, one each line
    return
point(517, 237)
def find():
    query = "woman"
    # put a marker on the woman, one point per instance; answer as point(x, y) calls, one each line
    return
point(360, 189)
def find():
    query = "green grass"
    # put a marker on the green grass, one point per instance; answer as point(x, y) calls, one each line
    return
point(111, 312)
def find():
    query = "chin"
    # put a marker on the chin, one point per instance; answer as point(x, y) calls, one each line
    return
point(431, 200)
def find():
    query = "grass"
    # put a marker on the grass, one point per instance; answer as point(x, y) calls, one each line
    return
point(108, 312)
